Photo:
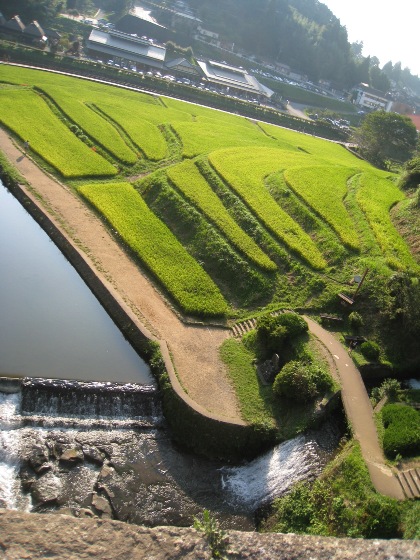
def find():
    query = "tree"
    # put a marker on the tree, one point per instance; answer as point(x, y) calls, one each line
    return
point(378, 79)
point(301, 381)
point(28, 10)
point(356, 50)
point(386, 137)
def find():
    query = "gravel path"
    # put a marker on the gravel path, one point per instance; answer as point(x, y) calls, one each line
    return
point(194, 349)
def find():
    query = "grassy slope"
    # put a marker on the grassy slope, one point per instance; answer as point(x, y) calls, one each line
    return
point(298, 217)
point(343, 503)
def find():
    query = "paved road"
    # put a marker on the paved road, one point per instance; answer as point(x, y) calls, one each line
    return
point(359, 413)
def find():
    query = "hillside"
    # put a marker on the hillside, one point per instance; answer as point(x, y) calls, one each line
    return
point(303, 34)
point(225, 214)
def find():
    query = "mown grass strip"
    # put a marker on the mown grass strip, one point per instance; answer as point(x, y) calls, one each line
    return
point(241, 369)
point(324, 189)
point(92, 124)
point(195, 188)
point(155, 245)
point(244, 170)
point(29, 117)
point(376, 196)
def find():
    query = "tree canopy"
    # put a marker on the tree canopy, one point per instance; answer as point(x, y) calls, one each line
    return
point(28, 10)
point(301, 381)
point(386, 137)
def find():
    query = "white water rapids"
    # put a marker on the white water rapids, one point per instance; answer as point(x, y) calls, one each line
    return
point(146, 470)
point(272, 474)
point(10, 495)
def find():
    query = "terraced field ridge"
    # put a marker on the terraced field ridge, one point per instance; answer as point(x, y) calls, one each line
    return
point(225, 214)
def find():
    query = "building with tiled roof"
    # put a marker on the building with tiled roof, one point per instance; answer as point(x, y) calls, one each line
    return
point(115, 44)
point(15, 24)
point(232, 78)
point(415, 119)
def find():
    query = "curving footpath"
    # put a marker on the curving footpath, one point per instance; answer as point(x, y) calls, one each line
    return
point(198, 371)
point(359, 413)
point(194, 350)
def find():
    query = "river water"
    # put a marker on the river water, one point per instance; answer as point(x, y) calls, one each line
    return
point(98, 445)
point(51, 325)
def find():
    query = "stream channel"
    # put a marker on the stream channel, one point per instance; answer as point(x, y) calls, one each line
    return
point(98, 445)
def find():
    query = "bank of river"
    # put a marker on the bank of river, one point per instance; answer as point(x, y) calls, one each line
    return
point(80, 462)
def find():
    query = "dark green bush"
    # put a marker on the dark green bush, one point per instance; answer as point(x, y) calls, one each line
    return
point(301, 381)
point(355, 321)
point(410, 177)
point(370, 351)
point(274, 331)
point(402, 431)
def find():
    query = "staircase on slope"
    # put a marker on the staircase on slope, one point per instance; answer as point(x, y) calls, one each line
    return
point(243, 327)
point(410, 482)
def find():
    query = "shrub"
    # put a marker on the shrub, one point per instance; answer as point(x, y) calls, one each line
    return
point(389, 388)
point(410, 178)
point(274, 331)
point(355, 321)
point(370, 351)
point(402, 431)
point(301, 381)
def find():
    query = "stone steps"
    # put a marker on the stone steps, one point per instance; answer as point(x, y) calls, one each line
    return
point(410, 482)
point(239, 329)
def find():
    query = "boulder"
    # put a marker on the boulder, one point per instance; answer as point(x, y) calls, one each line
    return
point(93, 454)
point(72, 455)
point(38, 456)
point(101, 504)
point(46, 489)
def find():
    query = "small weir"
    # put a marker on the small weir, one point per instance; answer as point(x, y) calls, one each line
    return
point(272, 475)
point(51, 402)
point(102, 449)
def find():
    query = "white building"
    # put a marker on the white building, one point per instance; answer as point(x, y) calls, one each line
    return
point(233, 79)
point(127, 47)
point(371, 99)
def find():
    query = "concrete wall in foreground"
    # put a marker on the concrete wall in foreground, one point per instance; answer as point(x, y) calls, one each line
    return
point(40, 536)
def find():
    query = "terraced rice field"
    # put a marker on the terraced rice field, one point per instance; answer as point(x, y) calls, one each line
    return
point(286, 242)
point(156, 247)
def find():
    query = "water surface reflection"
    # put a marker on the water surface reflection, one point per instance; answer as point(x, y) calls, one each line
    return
point(51, 325)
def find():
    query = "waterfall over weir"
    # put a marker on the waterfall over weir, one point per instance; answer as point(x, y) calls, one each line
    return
point(102, 449)
point(10, 497)
point(75, 402)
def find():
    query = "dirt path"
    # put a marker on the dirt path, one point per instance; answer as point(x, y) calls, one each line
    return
point(360, 414)
point(194, 350)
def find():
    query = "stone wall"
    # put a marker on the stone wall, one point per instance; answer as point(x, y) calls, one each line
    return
point(37, 536)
